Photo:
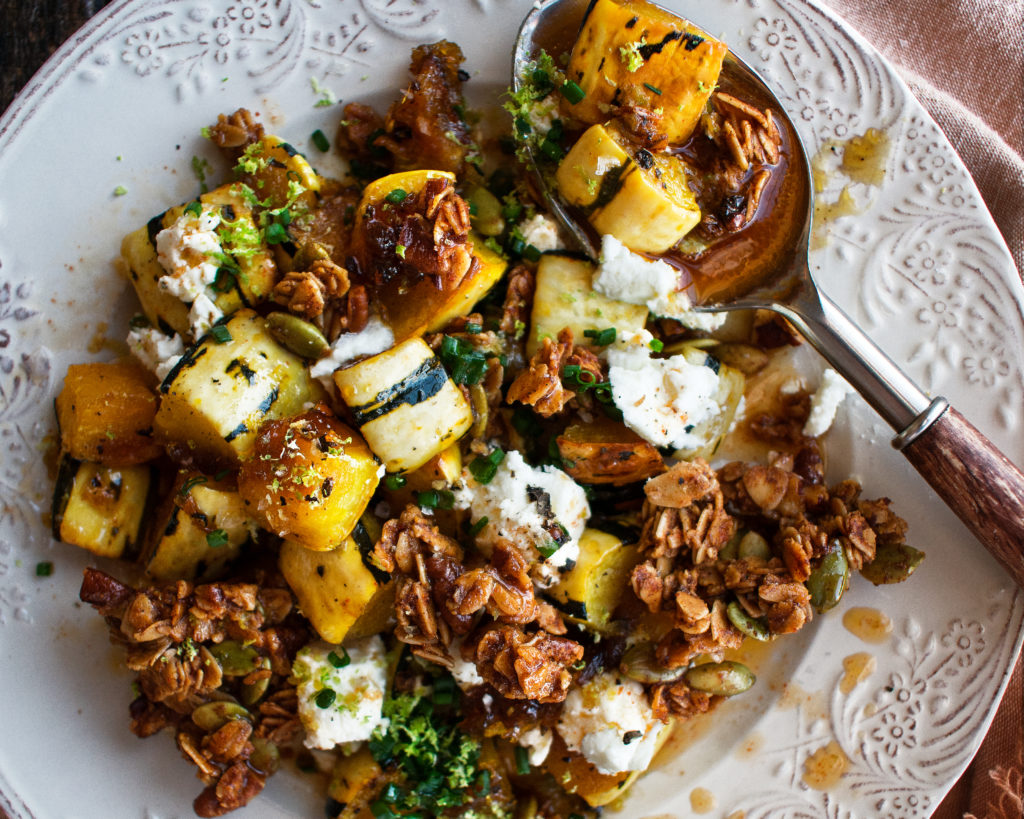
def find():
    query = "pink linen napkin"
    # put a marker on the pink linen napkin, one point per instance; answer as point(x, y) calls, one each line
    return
point(964, 59)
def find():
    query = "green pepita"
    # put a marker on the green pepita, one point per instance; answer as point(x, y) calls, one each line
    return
point(252, 693)
point(485, 211)
point(829, 579)
point(751, 626)
point(307, 254)
point(212, 715)
point(265, 758)
point(893, 563)
point(640, 663)
point(481, 410)
point(731, 550)
point(753, 545)
point(724, 679)
point(298, 335)
point(235, 659)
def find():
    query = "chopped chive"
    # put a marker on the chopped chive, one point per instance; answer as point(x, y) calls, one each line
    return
point(195, 207)
point(339, 660)
point(326, 698)
point(445, 499)
point(572, 92)
point(656, 345)
point(216, 538)
point(523, 127)
point(602, 338)
point(395, 482)
point(484, 467)
point(478, 527)
point(44, 569)
point(522, 760)
point(473, 328)
point(652, 88)
point(187, 486)
point(428, 499)
point(396, 197)
point(531, 253)
point(550, 149)
point(220, 334)
point(548, 549)
point(321, 142)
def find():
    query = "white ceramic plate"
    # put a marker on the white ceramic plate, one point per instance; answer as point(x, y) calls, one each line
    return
point(922, 268)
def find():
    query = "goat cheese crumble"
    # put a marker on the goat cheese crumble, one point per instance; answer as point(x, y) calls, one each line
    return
point(188, 251)
point(374, 338)
point(610, 722)
point(540, 505)
point(537, 741)
point(352, 709)
point(156, 351)
point(825, 403)
point(541, 232)
point(628, 277)
point(662, 399)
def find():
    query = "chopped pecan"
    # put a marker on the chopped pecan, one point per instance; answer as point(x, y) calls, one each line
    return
point(236, 131)
point(524, 666)
point(789, 605)
point(540, 385)
point(858, 541)
point(323, 295)
point(677, 699)
point(648, 585)
point(684, 484)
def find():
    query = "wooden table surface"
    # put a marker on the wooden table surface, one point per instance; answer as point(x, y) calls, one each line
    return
point(31, 32)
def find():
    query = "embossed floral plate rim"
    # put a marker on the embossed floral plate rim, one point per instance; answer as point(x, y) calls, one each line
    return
point(923, 268)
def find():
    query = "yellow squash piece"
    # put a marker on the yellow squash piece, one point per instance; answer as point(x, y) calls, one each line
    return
point(405, 405)
point(336, 589)
point(644, 201)
point(218, 395)
point(633, 52)
point(594, 586)
point(565, 297)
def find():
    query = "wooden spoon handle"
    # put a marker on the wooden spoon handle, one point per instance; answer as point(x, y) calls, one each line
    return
point(977, 482)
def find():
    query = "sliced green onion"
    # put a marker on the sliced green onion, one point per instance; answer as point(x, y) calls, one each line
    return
point(194, 207)
point(602, 338)
point(428, 499)
point(652, 88)
point(478, 527)
point(318, 139)
point(572, 92)
point(276, 234)
point(326, 698)
point(522, 760)
point(473, 328)
point(216, 538)
point(531, 253)
point(396, 197)
point(656, 345)
point(339, 661)
point(483, 468)
point(187, 486)
point(44, 569)
point(395, 482)
point(220, 334)
point(445, 499)
point(548, 549)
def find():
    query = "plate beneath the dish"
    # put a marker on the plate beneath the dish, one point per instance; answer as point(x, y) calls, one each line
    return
point(896, 715)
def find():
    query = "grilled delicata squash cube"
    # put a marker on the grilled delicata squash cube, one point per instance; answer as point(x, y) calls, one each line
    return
point(404, 404)
point(634, 53)
point(105, 413)
point(101, 508)
point(642, 200)
point(220, 393)
point(199, 528)
point(278, 174)
point(309, 478)
point(592, 588)
point(395, 243)
point(604, 451)
point(248, 271)
point(339, 591)
point(565, 297)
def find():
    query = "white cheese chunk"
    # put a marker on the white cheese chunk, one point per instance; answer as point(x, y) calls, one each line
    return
point(203, 314)
point(526, 504)
point(187, 250)
point(156, 351)
point(628, 277)
point(537, 741)
point(374, 338)
point(610, 722)
point(542, 232)
point(825, 403)
point(662, 399)
point(354, 711)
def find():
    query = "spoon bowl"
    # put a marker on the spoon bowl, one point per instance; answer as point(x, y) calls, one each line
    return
point(966, 470)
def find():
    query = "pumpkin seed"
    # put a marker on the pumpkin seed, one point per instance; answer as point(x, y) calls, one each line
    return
point(485, 211)
point(481, 410)
point(748, 360)
point(893, 563)
point(751, 626)
point(236, 660)
point(731, 550)
point(298, 335)
point(253, 692)
point(640, 663)
point(265, 758)
point(753, 545)
point(724, 679)
point(212, 715)
point(307, 254)
point(829, 580)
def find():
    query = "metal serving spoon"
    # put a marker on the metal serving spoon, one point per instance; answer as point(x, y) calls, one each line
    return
point(964, 468)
